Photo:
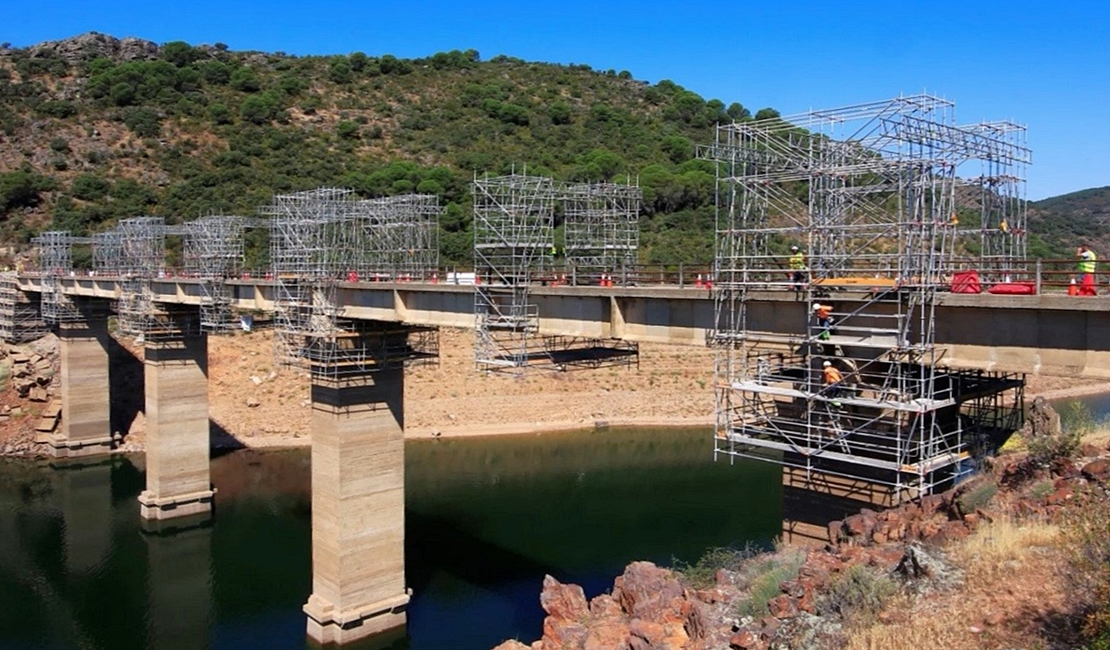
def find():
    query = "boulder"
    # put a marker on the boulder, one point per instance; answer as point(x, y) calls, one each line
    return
point(607, 635)
point(649, 592)
point(783, 606)
point(563, 601)
point(511, 644)
point(1097, 470)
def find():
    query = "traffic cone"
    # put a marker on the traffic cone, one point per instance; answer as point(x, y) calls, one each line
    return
point(435, 277)
point(1073, 288)
point(698, 282)
point(477, 278)
point(708, 283)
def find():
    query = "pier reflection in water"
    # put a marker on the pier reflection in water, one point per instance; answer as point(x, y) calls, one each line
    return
point(487, 518)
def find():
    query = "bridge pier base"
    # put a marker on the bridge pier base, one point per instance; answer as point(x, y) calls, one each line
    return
point(85, 428)
point(178, 482)
point(358, 507)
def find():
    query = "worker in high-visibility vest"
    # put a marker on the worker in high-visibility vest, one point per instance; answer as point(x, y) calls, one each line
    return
point(797, 264)
point(831, 379)
point(1086, 266)
point(824, 319)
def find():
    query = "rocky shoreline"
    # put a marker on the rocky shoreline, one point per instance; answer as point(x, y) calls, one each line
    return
point(813, 592)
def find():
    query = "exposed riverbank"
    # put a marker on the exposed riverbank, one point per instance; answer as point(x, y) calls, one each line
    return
point(255, 404)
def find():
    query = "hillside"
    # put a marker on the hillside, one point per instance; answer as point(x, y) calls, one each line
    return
point(94, 129)
point(1071, 219)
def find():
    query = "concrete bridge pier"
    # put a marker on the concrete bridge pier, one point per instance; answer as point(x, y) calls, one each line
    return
point(178, 482)
point(358, 506)
point(85, 427)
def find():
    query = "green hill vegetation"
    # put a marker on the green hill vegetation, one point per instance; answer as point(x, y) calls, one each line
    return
point(94, 132)
point(94, 129)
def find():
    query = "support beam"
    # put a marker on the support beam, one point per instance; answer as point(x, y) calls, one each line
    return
point(85, 427)
point(358, 507)
point(177, 468)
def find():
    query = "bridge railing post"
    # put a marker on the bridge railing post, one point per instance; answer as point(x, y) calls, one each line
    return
point(1037, 279)
point(681, 276)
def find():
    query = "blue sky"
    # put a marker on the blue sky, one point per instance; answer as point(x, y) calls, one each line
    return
point(1042, 64)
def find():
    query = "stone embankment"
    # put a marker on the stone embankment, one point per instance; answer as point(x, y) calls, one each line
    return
point(30, 402)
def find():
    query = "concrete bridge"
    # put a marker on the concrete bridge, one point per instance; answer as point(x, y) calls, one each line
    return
point(357, 423)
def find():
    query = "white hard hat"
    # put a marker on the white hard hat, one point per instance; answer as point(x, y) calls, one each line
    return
point(816, 306)
point(794, 248)
point(827, 364)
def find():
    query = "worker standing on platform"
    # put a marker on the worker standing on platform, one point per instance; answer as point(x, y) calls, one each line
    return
point(797, 264)
point(824, 319)
point(831, 379)
point(1086, 267)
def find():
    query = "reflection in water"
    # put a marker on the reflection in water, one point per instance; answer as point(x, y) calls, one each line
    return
point(486, 519)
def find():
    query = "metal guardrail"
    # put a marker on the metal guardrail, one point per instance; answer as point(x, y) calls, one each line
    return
point(1044, 275)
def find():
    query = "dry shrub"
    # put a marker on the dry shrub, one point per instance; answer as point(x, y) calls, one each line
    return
point(997, 549)
point(1086, 532)
point(993, 552)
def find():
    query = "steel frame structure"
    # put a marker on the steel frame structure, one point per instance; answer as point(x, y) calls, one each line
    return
point(514, 246)
point(319, 238)
point(213, 252)
point(601, 229)
point(56, 261)
point(869, 193)
point(20, 313)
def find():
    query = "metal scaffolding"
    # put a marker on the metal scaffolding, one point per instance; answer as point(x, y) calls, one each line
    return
point(868, 193)
point(20, 312)
point(142, 257)
point(321, 237)
point(56, 261)
point(399, 237)
point(1000, 190)
point(601, 229)
point(514, 248)
point(213, 253)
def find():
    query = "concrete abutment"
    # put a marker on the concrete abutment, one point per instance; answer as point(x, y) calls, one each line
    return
point(358, 507)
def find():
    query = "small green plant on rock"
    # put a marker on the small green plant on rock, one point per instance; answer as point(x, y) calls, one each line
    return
point(977, 496)
point(702, 573)
point(858, 594)
point(766, 577)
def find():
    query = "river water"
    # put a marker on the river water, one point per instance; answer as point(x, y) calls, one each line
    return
point(486, 519)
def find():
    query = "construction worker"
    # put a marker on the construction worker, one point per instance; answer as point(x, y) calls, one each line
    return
point(797, 264)
point(823, 313)
point(831, 380)
point(1086, 267)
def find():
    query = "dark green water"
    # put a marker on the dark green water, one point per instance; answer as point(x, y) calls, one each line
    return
point(486, 519)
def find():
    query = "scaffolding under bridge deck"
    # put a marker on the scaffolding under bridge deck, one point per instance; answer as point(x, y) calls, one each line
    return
point(861, 212)
point(515, 249)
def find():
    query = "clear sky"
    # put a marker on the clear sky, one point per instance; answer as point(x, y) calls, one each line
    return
point(1043, 64)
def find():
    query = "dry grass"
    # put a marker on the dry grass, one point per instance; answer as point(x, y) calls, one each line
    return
point(1009, 595)
point(998, 549)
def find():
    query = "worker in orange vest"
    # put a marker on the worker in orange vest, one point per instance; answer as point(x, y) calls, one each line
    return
point(832, 379)
point(824, 319)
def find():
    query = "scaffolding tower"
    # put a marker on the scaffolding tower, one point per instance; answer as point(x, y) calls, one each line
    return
point(317, 239)
point(868, 193)
point(20, 313)
point(399, 237)
point(56, 261)
point(601, 230)
point(141, 244)
point(1000, 190)
point(213, 253)
point(514, 248)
